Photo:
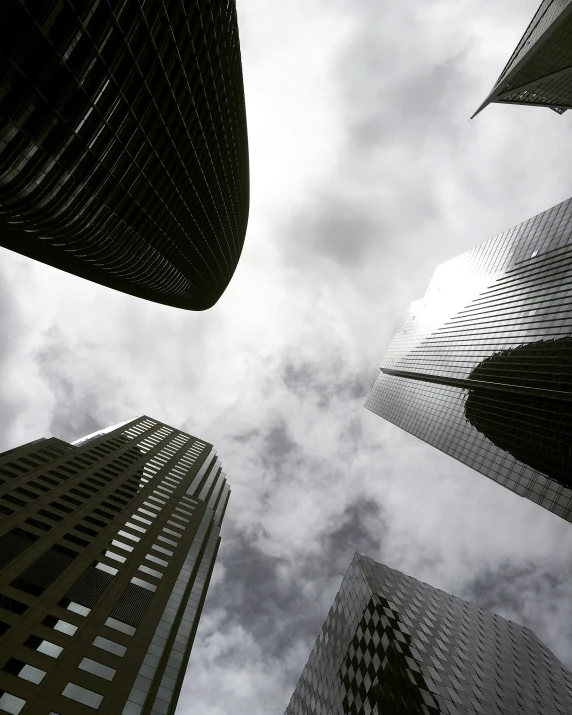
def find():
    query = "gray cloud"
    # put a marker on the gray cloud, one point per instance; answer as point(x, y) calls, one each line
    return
point(274, 610)
point(281, 613)
point(366, 173)
point(503, 586)
point(10, 332)
point(355, 532)
point(409, 89)
point(337, 230)
point(76, 410)
point(278, 444)
point(331, 383)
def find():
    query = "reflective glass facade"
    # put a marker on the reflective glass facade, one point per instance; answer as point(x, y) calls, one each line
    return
point(539, 72)
point(392, 645)
point(106, 552)
point(123, 143)
point(481, 367)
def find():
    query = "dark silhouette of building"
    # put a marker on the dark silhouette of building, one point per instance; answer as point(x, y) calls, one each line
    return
point(530, 422)
point(123, 143)
point(106, 552)
point(539, 72)
point(482, 366)
point(392, 645)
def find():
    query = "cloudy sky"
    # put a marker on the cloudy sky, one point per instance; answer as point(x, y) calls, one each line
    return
point(365, 174)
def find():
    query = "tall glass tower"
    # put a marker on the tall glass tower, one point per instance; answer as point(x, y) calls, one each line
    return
point(539, 72)
point(107, 547)
point(481, 367)
point(123, 143)
point(392, 645)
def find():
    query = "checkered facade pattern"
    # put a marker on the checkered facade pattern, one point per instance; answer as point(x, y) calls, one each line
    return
point(392, 645)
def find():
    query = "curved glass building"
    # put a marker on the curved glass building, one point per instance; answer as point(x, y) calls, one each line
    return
point(123, 143)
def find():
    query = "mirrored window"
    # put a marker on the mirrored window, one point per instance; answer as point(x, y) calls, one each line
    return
point(92, 666)
point(82, 695)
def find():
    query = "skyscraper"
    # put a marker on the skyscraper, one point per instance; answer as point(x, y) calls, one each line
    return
point(123, 143)
point(392, 645)
point(539, 72)
point(481, 367)
point(106, 554)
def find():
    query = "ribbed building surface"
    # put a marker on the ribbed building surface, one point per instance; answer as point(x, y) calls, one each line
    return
point(539, 72)
point(392, 645)
point(481, 367)
point(123, 143)
point(106, 552)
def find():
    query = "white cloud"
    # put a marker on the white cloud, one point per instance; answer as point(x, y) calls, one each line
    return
point(365, 174)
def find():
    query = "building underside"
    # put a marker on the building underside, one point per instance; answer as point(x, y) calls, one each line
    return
point(539, 72)
point(123, 143)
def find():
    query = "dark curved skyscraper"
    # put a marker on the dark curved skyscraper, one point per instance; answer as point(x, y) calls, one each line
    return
point(123, 143)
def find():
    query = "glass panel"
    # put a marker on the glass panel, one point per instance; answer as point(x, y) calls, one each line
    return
point(82, 695)
point(135, 527)
point(104, 567)
point(120, 626)
point(76, 608)
point(11, 704)
point(143, 584)
point(131, 709)
point(167, 541)
point(114, 556)
point(34, 675)
point(126, 535)
point(92, 666)
point(174, 523)
point(58, 625)
point(157, 560)
point(151, 572)
point(110, 646)
point(172, 532)
point(50, 649)
point(161, 550)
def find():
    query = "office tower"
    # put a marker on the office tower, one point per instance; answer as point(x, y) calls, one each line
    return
point(106, 554)
point(539, 72)
point(123, 144)
point(481, 367)
point(392, 645)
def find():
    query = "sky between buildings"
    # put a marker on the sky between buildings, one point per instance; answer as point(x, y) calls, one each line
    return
point(365, 174)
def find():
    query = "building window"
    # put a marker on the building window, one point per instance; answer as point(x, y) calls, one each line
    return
point(110, 646)
point(102, 671)
point(43, 646)
point(24, 671)
point(82, 695)
point(58, 625)
point(10, 703)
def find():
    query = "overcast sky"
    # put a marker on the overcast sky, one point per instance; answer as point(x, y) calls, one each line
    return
point(365, 174)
